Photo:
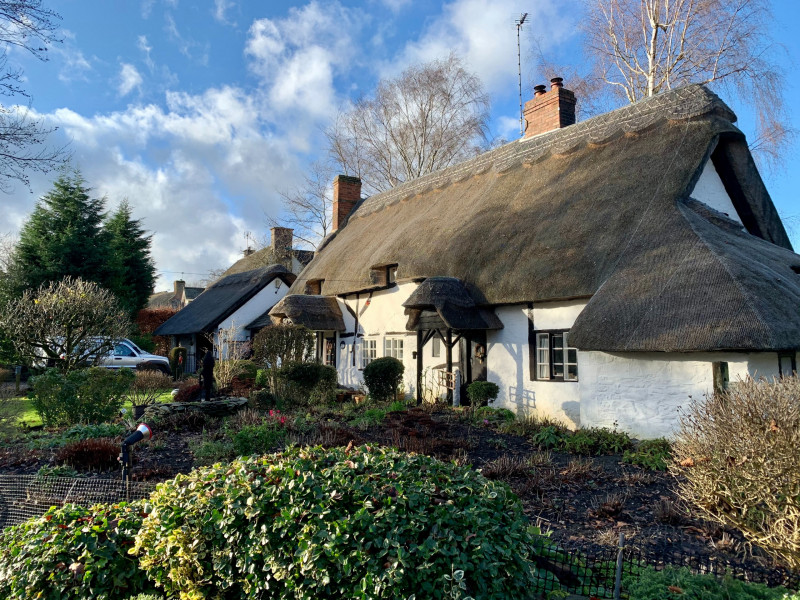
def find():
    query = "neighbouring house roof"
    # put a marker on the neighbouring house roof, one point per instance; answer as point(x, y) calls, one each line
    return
point(318, 313)
point(449, 298)
point(602, 210)
point(221, 300)
point(168, 299)
point(264, 257)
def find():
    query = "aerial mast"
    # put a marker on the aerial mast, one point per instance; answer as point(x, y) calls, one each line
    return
point(519, 22)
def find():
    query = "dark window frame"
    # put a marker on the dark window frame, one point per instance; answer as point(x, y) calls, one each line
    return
point(789, 355)
point(533, 348)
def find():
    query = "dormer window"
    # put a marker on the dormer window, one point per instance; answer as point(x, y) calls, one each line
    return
point(314, 287)
point(795, 268)
point(383, 275)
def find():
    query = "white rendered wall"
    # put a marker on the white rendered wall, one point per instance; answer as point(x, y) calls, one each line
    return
point(508, 363)
point(254, 308)
point(642, 392)
point(710, 190)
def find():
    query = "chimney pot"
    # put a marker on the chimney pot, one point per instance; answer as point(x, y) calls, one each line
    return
point(549, 110)
point(346, 194)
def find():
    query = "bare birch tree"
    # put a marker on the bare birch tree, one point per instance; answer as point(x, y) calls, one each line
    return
point(429, 117)
point(643, 47)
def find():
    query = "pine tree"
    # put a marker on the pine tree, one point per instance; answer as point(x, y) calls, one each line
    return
point(134, 273)
point(64, 236)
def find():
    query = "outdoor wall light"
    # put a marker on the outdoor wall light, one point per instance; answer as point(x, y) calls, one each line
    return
point(341, 345)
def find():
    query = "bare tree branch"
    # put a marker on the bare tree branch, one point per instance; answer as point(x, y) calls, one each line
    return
point(429, 117)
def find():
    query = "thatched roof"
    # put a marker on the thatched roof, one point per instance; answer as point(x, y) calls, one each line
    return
point(318, 313)
point(605, 203)
point(265, 257)
point(221, 300)
point(449, 298)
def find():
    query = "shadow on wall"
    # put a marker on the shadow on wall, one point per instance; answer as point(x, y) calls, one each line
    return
point(524, 400)
point(572, 410)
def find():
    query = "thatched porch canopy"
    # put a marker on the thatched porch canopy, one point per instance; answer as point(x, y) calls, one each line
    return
point(450, 300)
point(317, 313)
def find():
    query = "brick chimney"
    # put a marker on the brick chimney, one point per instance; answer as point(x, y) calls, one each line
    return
point(282, 245)
point(346, 193)
point(180, 287)
point(549, 110)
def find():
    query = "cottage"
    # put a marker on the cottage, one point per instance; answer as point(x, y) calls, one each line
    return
point(600, 272)
point(241, 300)
point(176, 299)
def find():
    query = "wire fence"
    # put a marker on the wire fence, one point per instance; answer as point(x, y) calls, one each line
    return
point(591, 570)
point(583, 569)
point(26, 496)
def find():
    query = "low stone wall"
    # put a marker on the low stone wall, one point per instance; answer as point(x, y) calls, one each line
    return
point(215, 408)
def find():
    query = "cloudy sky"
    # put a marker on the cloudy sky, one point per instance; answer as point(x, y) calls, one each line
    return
point(200, 112)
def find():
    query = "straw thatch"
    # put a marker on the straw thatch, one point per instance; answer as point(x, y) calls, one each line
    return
point(317, 313)
point(266, 257)
point(451, 301)
point(221, 300)
point(602, 205)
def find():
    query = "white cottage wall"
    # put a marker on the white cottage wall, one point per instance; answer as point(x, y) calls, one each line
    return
point(641, 392)
point(710, 190)
point(508, 363)
point(252, 309)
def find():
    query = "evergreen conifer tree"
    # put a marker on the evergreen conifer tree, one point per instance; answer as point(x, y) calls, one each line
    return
point(64, 236)
point(134, 273)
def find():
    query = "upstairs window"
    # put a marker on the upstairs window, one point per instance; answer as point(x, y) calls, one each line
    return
point(314, 287)
point(554, 359)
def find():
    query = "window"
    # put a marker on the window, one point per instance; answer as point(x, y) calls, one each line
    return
point(436, 348)
point(369, 352)
point(555, 360)
point(123, 350)
point(787, 364)
point(330, 351)
point(393, 347)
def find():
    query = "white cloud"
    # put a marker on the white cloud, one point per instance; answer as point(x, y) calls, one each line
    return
point(199, 171)
point(129, 79)
point(189, 47)
point(146, 48)
point(74, 65)
point(484, 35)
point(221, 8)
point(298, 57)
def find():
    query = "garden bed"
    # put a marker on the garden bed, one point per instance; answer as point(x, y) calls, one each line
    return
point(584, 501)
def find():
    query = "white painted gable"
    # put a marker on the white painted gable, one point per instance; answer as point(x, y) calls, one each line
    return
point(710, 191)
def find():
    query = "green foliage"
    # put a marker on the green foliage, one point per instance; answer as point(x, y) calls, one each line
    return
point(87, 396)
point(259, 439)
point(480, 392)
point(247, 368)
point(210, 451)
point(144, 341)
point(654, 455)
point(397, 406)
point(56, 471)
point(72, 552)
point(77, 433)
point(262, 399)
point(262, 378)
point(277, 346)
point(369, 418)
point(492, 416)
point(673, 584)
point(549, 437)
point(63, 236)
point(133, 272)
point(597, 440)
point(383, 377)
point(309, 382)
point(176, 364)
point(315, 523)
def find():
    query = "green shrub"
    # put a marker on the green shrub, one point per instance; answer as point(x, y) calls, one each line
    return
point(369, 418)
point(383, 377)
point(315, 523)
point(672, 584)
point(144, 341)
point(177, 365)
point(309, 381)
point(85, 396)
point(737, 459)
point(492, 416)
point(57, 471)
point(650, 454)
point(211, 451)
point(259, 439)
point(549, 437)
point(72, 552)
point(262, 399)
point(597, 440)
point(247, 369)
point(262, 378)
point(77, 433)
point(146, 597)
point(481, 392)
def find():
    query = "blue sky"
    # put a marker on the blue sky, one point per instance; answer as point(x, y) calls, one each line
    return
point(201, 112)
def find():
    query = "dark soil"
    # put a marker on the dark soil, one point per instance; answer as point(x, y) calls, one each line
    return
point(584, 502)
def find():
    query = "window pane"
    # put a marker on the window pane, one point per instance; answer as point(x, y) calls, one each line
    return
point(543, 356)
point(436, 348)
point(572, 373)
point(572, 356)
